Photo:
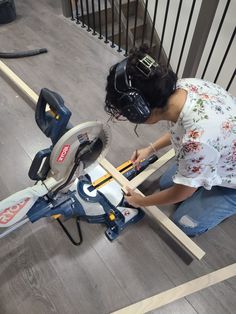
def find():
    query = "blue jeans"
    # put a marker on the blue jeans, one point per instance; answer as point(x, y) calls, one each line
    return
point(204, 210)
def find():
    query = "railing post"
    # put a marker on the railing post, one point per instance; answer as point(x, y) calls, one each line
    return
point(66, 8)
point(200, 35)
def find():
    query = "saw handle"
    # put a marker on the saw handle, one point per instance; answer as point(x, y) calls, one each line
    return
point(40, 165)
point(52, 122)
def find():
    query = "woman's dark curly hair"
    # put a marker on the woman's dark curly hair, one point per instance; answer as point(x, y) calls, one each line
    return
point(156, 88)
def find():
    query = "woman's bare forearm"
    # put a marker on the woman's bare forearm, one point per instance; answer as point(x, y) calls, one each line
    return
point(172, 195)
point(162, 141)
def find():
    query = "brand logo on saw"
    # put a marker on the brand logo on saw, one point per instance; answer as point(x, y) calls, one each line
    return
point(9, 213)
point(63, 153)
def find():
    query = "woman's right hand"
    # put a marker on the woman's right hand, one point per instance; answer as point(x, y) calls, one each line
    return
point(140, 154)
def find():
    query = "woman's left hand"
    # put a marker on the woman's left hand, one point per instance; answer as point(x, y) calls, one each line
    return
point(133, 198)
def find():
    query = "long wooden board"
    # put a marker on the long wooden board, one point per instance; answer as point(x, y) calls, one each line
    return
point(181, 291)
point(158, 215)
point(24, 88)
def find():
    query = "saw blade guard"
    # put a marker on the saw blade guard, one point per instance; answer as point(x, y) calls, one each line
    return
point(88, 142)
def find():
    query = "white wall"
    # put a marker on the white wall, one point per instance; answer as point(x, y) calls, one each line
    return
point(226, 31)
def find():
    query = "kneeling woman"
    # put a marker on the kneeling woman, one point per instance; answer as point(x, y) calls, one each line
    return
point(202, 129)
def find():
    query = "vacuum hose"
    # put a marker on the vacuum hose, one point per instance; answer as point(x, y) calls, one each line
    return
point(22, 54)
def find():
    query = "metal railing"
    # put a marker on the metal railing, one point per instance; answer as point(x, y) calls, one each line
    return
point(123, 24)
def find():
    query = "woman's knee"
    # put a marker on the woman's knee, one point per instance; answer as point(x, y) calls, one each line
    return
point(204, 210)
point(189, 226)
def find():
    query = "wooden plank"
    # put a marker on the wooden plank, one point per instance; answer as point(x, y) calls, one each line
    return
point(180, 291)
point(140, 178)
point(18, 82)
point(159, 216)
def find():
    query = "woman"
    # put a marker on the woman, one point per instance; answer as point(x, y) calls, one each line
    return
point(202, 129)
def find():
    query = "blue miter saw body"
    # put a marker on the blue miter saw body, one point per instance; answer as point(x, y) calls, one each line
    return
point(70, 181)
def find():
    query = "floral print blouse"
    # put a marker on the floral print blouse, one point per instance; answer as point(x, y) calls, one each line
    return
point(204, 136)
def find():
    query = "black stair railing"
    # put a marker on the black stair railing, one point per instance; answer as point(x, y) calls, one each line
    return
point(106, 28)
point(145, 20)
point(128, 23)
point(76, 14)
point(153, 23)
point(88, 15)
point(112, 23)
point(102, 15)
point(100, 20)
point(81, 10)
point(225, 55)
point(135, 22)
point(94, 23)
point(186, 35)
point(174, 32)
point(164, 28)
point(216, 37)
point(127, 29)
point(120, 28)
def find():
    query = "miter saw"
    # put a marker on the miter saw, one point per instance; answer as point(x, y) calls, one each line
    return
point(69, 180)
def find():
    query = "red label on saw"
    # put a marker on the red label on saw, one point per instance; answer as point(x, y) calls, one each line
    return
point(63, 153)
point(9, 213)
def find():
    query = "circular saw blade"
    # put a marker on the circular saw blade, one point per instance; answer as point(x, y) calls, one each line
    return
point(96, 148)
point(87, 141)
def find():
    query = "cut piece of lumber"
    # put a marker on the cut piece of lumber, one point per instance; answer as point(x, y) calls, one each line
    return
point(158, 215)
point(180, 291)
point(140, 178)
point(19, 83)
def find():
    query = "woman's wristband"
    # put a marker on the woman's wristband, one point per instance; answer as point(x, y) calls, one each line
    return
point(153, 148)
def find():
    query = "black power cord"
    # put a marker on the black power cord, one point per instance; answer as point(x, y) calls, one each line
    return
point(22, 54)
point(69, 234)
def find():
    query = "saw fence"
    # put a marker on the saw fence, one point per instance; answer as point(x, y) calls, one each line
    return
point(176, 233)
